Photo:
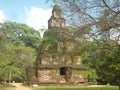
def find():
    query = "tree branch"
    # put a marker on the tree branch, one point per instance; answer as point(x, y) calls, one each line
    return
point(105, 3)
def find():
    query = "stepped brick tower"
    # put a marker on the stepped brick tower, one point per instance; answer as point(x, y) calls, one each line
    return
point(56, 20)
point(56, 62)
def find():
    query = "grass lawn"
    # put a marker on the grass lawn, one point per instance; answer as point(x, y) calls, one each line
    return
point(77, 88)
point(56, 87)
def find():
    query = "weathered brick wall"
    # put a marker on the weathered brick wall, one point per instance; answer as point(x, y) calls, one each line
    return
point(48, 76)
point(79, 76)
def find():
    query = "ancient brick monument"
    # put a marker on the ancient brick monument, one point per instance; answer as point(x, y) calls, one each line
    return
point(56, 20)
point(59, 64)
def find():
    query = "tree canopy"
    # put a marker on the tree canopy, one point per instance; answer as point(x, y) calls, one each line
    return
point(18, 51)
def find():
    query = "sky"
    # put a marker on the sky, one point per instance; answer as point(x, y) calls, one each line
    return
point(34, 13)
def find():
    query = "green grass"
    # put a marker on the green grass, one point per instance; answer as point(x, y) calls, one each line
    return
point(68, 88)
point(7, 88)
point(76, 88)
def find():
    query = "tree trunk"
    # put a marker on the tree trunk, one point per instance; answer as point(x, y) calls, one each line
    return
point(9, 76)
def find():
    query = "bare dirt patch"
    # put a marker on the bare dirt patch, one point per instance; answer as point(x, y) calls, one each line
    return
point(18, 86)
point(96, 86)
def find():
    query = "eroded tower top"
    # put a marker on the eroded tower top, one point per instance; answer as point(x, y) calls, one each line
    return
point(56, 20)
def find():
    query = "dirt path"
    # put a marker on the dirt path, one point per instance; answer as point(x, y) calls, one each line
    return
point(18, 86)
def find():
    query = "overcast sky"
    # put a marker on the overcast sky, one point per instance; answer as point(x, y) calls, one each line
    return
point(34, 13)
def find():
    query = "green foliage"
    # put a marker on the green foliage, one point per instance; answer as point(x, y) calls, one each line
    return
point(49, 42)
point(92, 75)
point(26, 57)
point(18, 45)
point(23, 35)
point(104, 60)
point(7, 57)
point(111, 67)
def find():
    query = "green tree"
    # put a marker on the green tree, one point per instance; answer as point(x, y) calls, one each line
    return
point(26, 57)
point(92, 76)
point(104, 60)
point(110, 68)
point(48, 45)
point(18, 51)
point(23, 34)
point(8, 63)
